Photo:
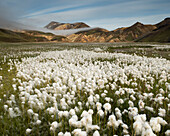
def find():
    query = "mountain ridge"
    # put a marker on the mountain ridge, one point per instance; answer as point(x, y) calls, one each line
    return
point(138, 32)
point(119, 35)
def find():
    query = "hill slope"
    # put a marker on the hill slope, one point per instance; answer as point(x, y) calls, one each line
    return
point(28, 36)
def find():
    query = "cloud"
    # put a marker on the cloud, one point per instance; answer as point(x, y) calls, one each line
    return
point(99, 14)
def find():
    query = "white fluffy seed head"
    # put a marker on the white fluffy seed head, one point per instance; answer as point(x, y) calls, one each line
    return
point(28, 131)
point(60, 134)
point(101, 113)
point(67, 134)
point(167, 133)
point(107, 107)
point(96, 133)
point(38, 122)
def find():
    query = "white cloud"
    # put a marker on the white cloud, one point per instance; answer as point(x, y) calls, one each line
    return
point(62, 5)
point(109, 16)
point(46, 11)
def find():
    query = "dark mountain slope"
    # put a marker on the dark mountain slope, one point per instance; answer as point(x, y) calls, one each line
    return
point(160, 34)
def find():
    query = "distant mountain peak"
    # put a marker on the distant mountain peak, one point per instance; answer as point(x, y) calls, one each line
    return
point(65, 26)
point(168, 18)
point(138, 24)
point(163, 23)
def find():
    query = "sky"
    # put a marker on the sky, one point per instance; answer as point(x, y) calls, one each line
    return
point(109, 14)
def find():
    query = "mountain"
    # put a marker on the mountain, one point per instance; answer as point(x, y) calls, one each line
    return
point(160, 34)
point(119, 35)
point(133, 32)
point(164, 23)
point(138, 32)
point(65, 26)
point(92, 35)
point(28, 36)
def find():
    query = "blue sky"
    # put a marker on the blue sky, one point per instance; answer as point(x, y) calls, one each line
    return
point(109, 14)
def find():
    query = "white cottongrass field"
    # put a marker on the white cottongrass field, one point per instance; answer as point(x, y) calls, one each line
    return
point(85, 93)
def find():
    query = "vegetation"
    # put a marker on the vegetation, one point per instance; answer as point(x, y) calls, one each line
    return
point(43, 87)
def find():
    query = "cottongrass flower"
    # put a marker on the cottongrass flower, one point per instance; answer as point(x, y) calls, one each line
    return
point(96, 133)
point(130, 103)
point(92, 127)
point(79, 132)
point(38, 122)
point(103, 95)
point(11, 113)
point(66, 114)
point(60, 134)
point(28, 131)
point(133, 98)
point(30, 112)
point(113, 122)
point(72, 112)
point(60, 114)
point(0, 78)
point(98, 105)
point(6, 107)
point(118, 113)
point(54, 126)
point(162, 112)
point(169, 107)
point(149, 109)
point(101, 113)
point(156, 123)
point(107, 107)
point(132, 112)
point(90, 99)
point(138, 124)
point(124, 126)
point(167, 133)
point(120, 101)
point(141, 104)
point(67, 134)
point(146, 130)
point(87, 120)
point(73, 121)
point(90, 111)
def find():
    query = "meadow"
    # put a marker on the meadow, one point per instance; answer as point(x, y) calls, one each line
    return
point(64, 89)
